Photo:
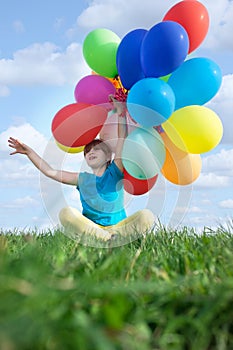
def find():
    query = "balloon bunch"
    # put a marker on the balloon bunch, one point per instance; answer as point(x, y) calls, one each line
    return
point(166, 91)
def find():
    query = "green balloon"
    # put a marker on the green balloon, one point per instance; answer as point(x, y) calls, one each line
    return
point(99, 50)
point(165, 78)
point(143, 153)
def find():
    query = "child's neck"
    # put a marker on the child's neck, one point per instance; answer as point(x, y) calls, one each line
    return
point(99, 171)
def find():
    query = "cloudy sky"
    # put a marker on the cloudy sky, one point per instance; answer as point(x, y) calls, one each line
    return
point(40, 63)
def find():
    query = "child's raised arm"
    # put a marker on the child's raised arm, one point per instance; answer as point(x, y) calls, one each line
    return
point(122, 130)
point(65, 177)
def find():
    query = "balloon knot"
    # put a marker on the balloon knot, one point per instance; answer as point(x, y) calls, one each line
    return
point(121, 95)
point(159, 129)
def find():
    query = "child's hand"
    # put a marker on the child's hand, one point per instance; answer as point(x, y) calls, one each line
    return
point(18, 146)
point(118, 105)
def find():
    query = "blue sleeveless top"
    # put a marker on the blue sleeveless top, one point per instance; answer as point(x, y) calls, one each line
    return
point(102, 197)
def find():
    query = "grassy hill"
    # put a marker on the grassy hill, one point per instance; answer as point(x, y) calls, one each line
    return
point(168, 290)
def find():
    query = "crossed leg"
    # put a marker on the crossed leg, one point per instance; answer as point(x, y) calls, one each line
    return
point(75, 224)
point(140, 222)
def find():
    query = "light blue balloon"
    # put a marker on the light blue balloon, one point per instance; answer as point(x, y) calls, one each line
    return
point(195, 82)
point(143, 153)
point(150, 102)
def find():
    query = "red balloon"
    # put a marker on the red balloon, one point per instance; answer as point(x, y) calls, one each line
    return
point(194, 17)
point(77, 124)
point(136, 186)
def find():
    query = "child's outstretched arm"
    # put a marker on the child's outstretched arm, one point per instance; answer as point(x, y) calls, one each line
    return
point(122, 130)
point(65, 177)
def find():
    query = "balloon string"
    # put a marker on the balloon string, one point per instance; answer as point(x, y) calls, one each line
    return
point(121, 93)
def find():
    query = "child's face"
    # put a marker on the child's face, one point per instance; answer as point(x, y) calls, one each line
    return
point(96, 157)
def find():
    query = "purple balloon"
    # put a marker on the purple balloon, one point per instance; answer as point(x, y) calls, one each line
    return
point(94, 89)
point(164, 48)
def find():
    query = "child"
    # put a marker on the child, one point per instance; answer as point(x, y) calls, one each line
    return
point(101, 193)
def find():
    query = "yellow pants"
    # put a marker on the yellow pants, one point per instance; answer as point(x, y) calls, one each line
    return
point(140, 222)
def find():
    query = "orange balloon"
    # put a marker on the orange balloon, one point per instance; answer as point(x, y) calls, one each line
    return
point(116, 82)
point(180, 168)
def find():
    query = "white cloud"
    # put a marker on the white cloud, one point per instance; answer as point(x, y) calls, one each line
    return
point(17, 169)
point(227, 203)
point(123, 17)
point(19, 203)
point(206, 202)
point(221, 24)
point(188, 210)
point(222, 104)
point(43, 64)
point(25, 133)
point(221, 162)
point(195, 209)
point(212, 180)
point(201, 221)
point(131, 14)
point(208, 222)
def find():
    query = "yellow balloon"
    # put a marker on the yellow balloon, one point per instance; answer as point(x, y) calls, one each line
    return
point(194, 129)
point(180, 168)
point(70, 149)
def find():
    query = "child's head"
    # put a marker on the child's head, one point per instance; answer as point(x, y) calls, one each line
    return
point(97, 143)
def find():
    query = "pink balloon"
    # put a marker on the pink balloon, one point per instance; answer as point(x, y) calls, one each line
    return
point(94, 89)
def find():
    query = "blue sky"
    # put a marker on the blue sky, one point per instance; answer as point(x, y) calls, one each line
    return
point(40, 63)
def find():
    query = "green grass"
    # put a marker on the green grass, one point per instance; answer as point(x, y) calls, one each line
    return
point(168, 290)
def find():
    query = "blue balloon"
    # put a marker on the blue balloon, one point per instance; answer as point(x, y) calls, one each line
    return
point(128, 58)
point(143, 153)
point(150, 102)
point(164, 48)
point(195, 82)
